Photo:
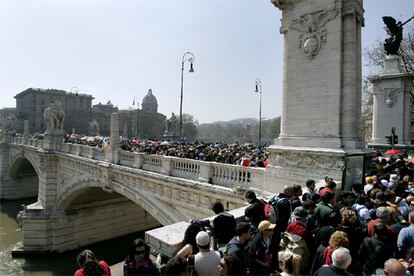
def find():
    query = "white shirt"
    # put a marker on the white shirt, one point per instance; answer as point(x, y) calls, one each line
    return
point(206, 263)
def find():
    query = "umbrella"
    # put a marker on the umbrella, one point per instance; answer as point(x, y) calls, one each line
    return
point(392, 151)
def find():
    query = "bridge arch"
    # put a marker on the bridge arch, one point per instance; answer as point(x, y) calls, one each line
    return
point(91, 210)
point(163, 212)
point(24, 177)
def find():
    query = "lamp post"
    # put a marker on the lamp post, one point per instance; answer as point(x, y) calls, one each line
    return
point(187, 57)
point(258, 89)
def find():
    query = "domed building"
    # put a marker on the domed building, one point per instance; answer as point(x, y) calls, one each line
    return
point(149, 103)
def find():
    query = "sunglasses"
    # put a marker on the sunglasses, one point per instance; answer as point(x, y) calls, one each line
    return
point(139, 252)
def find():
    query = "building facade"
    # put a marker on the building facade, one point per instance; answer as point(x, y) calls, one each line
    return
point(79, 113)
point(31, 103)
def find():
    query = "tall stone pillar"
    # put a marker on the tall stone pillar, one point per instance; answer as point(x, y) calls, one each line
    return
point(114, 143)
point(321, 114)
point(392, 104)
point(25, 131)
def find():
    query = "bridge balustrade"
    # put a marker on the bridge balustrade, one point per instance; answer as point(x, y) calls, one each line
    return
point(227, 175)
point(185, 168)
point(152, 163)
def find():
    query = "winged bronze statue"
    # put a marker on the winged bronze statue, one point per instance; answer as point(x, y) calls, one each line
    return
point(395, 31)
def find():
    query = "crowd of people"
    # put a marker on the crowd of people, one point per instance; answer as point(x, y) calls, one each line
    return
point(304, 231)
point(247, 155)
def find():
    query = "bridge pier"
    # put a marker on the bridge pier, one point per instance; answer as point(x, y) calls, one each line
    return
point(5, 180)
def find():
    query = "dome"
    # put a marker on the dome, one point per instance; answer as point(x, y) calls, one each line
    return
point(149, 98)
point(149, 103)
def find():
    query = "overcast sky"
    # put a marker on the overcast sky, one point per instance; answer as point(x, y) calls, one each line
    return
point(117, 49)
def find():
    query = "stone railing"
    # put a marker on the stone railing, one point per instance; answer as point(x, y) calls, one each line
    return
point(227, 175)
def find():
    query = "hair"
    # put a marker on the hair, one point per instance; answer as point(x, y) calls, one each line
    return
point(291, 261)
point(338, 239)
point(310, 182)
point(380, 229)
point(349, 218)
point(345, 194)
point(242, 228)
point(250, 195)
point(297, 189)
point(217, 207)
point(234, 265)
point(357, 187)
point(411, 217)
point(175, 266)
point(382, 212)
point(309, 204)
point(85, 256)
point(341, 258)
point(138, 243)
point(327, 197)
point(190, 235)
point(393, 267)
point(331, 184)
point(87, 260)
point(362, 199)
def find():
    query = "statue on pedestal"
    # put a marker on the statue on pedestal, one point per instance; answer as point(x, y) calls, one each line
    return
point(94, 128)
point(9, 124)
point(172, 125)
point(54, 116)
point(395, 31)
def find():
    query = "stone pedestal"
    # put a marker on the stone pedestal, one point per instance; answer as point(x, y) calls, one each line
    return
point(53, 140)
point(392, 104)
point(321, 113)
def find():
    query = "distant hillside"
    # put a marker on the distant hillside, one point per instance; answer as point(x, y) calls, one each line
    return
point(243, 121)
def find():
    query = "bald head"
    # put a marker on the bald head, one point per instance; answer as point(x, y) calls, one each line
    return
point(392, 267)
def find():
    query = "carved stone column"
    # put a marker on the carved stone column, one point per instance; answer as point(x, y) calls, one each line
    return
point(321, 117)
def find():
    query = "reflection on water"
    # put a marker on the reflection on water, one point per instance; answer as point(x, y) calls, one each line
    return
point(112, 251)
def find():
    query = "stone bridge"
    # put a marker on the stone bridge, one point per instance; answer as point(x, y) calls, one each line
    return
point(87, 194)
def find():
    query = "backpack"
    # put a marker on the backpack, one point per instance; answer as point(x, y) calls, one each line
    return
point(269, 212)
point(281, 213)
point(93, 268)
point(190, 266)
point(296, 245)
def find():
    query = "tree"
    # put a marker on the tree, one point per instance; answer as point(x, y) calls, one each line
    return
point(189, 127)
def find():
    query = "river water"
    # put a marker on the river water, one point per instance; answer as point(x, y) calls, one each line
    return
point(113, 251)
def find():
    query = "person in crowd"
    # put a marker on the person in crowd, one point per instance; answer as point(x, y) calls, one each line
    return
point(383, 216)
point(375, 250)
point(296, 193)
point(206, 261)
point(176, 266)
point(338, 239)
point(223, 226)
point(138, 261)
point(405, 239)
point(392, 267)
point(230, 264)
point(362, 210)
point(188, 245)
point(297, 224)
point(256, 214)
point(238, 243)
point(289, 263)
point(329, 187)
point(90, 265)
point(261, 250)
point(347, 199)
point(341, 259)
point(324, 209)
point(355, 235)
point(323, 238)
point(283, 207)
point(309, 190)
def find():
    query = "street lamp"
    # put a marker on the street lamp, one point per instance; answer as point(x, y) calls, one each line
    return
point(187, 57)
point(258, 89)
